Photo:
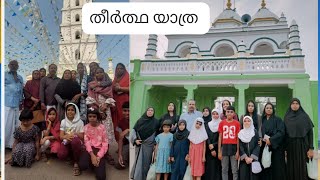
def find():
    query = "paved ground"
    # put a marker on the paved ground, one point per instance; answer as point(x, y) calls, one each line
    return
point(56, 169)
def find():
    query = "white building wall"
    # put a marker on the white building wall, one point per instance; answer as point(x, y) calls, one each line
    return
point(87, 44)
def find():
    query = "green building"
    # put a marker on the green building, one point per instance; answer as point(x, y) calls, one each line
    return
point(239, 59)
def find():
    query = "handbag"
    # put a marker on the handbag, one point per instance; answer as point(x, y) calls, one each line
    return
point(38, 115)
point(187, 174)
point(256, 167)
point(152, 172)
point(312, 169)
point(266, 157)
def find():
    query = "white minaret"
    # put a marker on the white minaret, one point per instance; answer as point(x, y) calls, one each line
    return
point(110, 69)
point(75, 46)
point(294, 39)
point(151, 52)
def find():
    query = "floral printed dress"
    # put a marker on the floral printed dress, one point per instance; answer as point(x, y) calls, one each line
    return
point(25, 150)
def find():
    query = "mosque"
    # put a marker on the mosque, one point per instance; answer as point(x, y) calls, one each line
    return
point(256, 57)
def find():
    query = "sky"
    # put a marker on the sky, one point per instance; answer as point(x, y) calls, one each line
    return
point(305, 14)
point(33, 48)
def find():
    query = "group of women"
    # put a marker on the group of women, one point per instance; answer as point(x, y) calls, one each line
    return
point(75, 93)
point(290, 141)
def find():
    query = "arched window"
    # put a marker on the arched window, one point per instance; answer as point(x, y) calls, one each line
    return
point(284, 45)
point(184, 52)
point(224, 50)
point(77, 18)
point(77, 54)
point(263, 49)
point(77, 3)
point(77, 35)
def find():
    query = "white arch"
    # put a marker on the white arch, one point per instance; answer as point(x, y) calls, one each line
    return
point(221, 43)
point(263, 41)
point(226, 47)
point(182, 47)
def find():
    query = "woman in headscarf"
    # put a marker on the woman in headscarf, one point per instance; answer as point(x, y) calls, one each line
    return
point(72, 133)
point(32, 96)
point(66, 91)
point(92, 75)
point(251, 110)
point(206, 115)
point(299, 140)
point(273, 133)
point(120, 87)
point(179, 151)
point(93, 67)
point(226, 103)
point(82, 80)
point(171, 115)
point(102, 99)
point(32, 90)
point(213, 164)
point(143, 138)
point(249, 149)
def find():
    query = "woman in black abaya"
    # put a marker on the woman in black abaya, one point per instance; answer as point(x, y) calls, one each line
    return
point(273, 127)
point(212, 164)
point(299, 140)
point(143, 138)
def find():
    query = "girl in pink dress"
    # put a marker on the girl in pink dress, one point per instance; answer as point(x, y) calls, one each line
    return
point(96, 143)
point(197, 150)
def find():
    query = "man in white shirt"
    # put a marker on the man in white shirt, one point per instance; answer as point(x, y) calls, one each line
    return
point(191, 115)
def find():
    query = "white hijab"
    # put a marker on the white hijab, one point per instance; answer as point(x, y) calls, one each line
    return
point(197, 136)
point(76, 116)
point(246, 134)
point(214, 123)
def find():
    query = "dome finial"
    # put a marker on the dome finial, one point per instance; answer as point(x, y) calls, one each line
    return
point(263, 4)
point(229, 4)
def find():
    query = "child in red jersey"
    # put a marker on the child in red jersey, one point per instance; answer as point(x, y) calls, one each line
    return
point(229, 144)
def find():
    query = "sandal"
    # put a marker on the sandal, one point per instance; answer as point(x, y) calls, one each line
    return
point(9, 161)
point(76, 170)
point(110, 160)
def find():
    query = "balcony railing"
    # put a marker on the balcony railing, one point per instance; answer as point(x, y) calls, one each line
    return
point(256, 65)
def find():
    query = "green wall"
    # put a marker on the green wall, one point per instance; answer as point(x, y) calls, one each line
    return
point(283, 96)
point(143, 95)
point(314, 94)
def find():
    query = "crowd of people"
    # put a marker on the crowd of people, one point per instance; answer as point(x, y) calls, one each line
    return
point(77, 117)
point(221, 145)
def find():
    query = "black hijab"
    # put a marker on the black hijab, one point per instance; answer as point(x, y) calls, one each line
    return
point(146, 126)
point(67, 89)
point(208, 118)
point(181, 135)
point(298, 123)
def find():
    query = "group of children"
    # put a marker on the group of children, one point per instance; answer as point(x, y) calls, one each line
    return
point(174, 152)
point(85, 144)
point(221, 145)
